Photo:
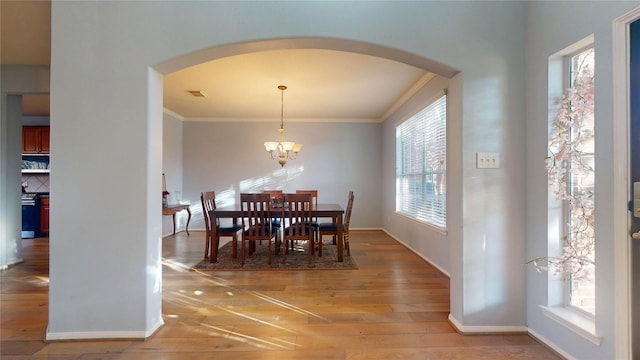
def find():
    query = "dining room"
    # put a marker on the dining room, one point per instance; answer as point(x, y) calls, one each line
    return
point(340, 154)
point(216, 141)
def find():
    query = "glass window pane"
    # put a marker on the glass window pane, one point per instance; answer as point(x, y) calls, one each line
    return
point(581, 181)
point(421, 165)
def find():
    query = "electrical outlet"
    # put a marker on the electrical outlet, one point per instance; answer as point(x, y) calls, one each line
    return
point(487, 160)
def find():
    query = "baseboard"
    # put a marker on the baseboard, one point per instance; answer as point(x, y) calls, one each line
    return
point(11, 262)
point(475, 330)
point(443, 271)
point(550, 345)
point(180, 231)
point(94, 335)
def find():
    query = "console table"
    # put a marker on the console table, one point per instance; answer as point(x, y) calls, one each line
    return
point(173, 209)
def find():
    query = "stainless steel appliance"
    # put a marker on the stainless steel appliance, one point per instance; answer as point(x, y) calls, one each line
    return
point(30, 215)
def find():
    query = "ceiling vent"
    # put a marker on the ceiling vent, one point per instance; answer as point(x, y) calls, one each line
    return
point(197, 93)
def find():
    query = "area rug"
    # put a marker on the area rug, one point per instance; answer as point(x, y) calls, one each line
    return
point(296, 259)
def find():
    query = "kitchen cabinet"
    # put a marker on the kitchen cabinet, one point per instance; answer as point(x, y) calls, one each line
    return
point(35, 139)
point(44, 215)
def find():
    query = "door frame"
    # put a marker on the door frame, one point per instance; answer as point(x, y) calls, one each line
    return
point(621, 170)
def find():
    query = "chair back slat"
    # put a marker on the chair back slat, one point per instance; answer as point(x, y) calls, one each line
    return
point(298, 217)
point(207, 199)
point(297, 213)
point(314, 197)
point(256, 215)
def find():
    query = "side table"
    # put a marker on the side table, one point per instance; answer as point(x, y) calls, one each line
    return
point(172, 210)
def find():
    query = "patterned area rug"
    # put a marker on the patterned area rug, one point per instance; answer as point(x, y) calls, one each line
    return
point(296, 259)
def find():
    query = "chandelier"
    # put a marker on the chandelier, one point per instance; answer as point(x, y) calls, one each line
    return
point(282, 150)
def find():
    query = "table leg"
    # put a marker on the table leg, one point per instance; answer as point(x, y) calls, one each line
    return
point(188, 220)
point(215, 242)
point(173, 216)
point(340, 235)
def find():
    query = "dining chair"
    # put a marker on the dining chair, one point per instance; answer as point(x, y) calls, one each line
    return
point(256, 221)
point(298, 216)
point(275, 197)
point(275, 200)
point(332, 227)
point(213, 229)
point(314, 221)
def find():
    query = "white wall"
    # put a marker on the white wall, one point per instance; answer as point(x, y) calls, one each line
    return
point(548, 33)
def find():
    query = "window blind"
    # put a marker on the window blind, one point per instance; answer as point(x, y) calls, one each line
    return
point(421, 164)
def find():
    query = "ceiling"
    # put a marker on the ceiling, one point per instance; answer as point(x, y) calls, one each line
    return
point(323, 85)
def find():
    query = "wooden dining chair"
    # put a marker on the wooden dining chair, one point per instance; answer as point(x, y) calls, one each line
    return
point(256, 221)
point(275, 197)
point(213, 230)
point(314, 220)
point(332, 227)
point(298, 216)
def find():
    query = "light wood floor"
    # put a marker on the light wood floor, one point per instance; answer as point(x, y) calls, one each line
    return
point(394, 306)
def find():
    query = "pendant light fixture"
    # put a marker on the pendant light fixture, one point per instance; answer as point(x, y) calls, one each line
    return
point(282, 150)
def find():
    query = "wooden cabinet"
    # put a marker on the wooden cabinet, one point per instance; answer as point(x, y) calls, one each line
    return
point(44, 215)
point(35, 139)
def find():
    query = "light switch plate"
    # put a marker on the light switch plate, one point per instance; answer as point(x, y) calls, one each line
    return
point(487, 160)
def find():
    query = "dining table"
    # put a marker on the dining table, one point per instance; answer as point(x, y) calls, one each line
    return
point(333, 211)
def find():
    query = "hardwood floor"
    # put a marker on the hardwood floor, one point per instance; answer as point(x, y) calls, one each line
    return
point(394, 306)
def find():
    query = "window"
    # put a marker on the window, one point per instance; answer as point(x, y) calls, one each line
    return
point(421, 165)
point(581, 183)
point(571, 169)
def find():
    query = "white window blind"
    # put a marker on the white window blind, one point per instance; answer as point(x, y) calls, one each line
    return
point(421, 165)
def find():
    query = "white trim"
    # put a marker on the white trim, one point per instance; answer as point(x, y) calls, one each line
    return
point(622, 242)
point(573, 321)
point(467, 330)
point(413, 89)
point(82, 335)
point(419, 254)
point(289, 120)
point(173, 113)
point(11, 263)
point(551, 345)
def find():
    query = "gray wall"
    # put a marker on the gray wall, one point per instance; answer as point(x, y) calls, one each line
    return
point(432, 244)
point(123, 124)
point(11, 252)
point(548, 33)
point(494, 212)
point(230, 158)
point(172, 140)
point(15, 81)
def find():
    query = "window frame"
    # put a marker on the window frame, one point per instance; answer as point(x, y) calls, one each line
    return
point(401, 173)
point(568, 78)
point(579, 322)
